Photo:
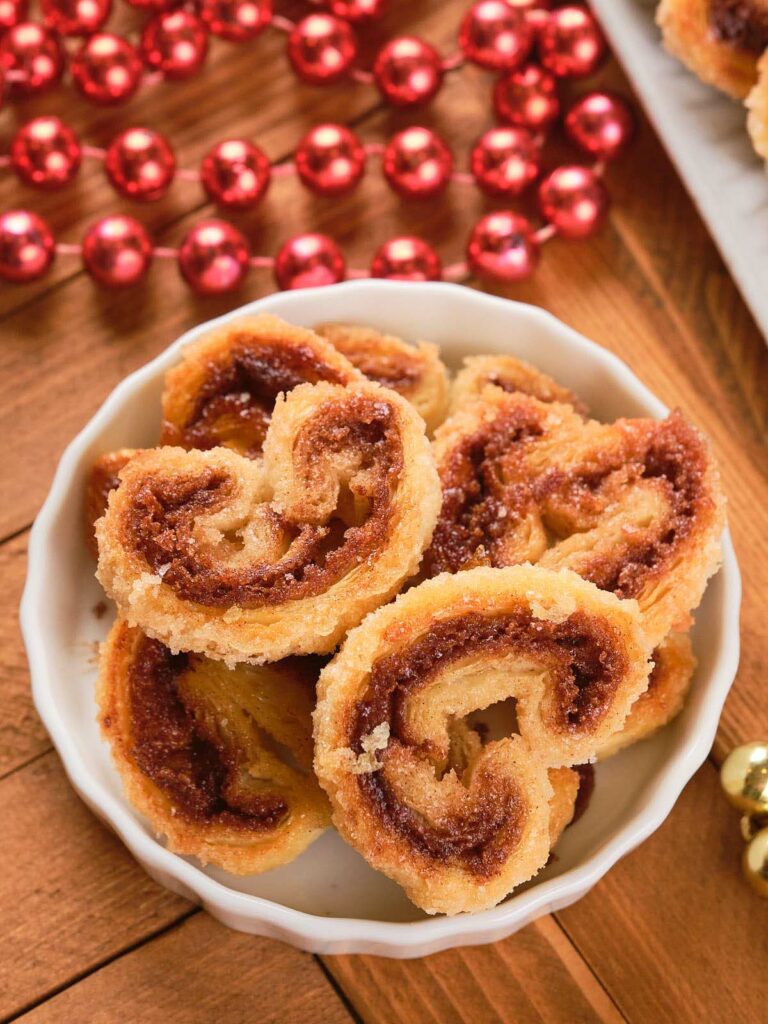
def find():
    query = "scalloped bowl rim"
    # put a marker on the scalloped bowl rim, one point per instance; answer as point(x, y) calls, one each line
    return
point(317, 933)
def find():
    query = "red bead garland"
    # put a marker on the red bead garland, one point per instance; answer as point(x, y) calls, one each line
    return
point(527, 98)
point(175, 43)
point(75, 17)
point(236, 20)
point(45, 153)
point(107, 69)
point(330, 160)
point(503, 246)
point(408, 71)
point(12, 12)
point(117, 251)
point(495, 35)
point(574, 201)
point(26, 246)
point(571, 43)
point(235, 173)
point(213, 258)
point(406, 258)
point(309, 261)
point(505, 161)
point(140, 164)
point(34, 54)
point(417, 163)
point(601, 123)
point(321, 49)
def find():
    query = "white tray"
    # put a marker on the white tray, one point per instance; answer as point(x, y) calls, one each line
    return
point(705, 135)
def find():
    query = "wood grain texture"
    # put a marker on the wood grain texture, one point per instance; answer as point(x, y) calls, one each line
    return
point(672, 933)
point(196, 973)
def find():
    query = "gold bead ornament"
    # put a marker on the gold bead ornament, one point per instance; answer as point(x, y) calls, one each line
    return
point(744, 778)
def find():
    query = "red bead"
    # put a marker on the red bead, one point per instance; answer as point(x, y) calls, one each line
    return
point(26, 246)
point(574, 200)
point(417, 163)
point(75, 17)
point(12, 12)
point(309, 261)
point(406, 259)
point(140, 164)
point(175, 43)
point(36, 53)
point(213, 257)
point(330, 160)
point(358, 10)
point(505, 161)
point(45, 153)
point(571, 44)
point(107, 68)
point(600, 123)
point(236, 20)
point(321, 49)
point(408, 71)
point(503, 246)
point(495, 35)
point(527, 98)
point(117, 251)
point(235, 173)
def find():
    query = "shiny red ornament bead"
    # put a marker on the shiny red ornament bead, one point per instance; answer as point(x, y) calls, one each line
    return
point(505, 161)
point(175, 43)
point(571, 43)
point(527, 97)
point(117, 251)
point(495, 35)
point(75, 17)
point(575, 200)
point(107, 69)
point(406, 258)
point(213, 258)
point(46, 153)
point(26, 246)
point(417, 163)
point(236, 20)
point(503, 246)
point(140, 164)
point(408, 71)
point(321, 49)
point(35, 52)
point(235, 173)
point(358, 10)
point(309, 261)
point(330, 160)
point(12, 12)
point(600, 123)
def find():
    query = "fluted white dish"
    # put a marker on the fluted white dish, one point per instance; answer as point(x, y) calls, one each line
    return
point(329, 900)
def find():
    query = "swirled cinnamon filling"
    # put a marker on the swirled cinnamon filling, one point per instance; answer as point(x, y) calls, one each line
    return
point(394, 370)
point(103, 478)
point(238, 396)
point(180, 755)
point(742, 23)
point(361, 430)
point(585, 664)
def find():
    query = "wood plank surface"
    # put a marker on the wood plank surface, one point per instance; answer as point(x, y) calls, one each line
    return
point(672, 933)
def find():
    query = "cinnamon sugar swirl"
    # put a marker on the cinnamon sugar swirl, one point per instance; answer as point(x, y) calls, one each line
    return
point(635, 506)
point(456, 822)
point(218, 760)
point(243, 560)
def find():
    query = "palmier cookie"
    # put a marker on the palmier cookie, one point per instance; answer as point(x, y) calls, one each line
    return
point(103, 478)
point(719, 40)
point(668, 686)
point(255, 560)
point(219, 760)
point(414, 371)
point(509, 374)
point(224, 390)
point(459, 833)
point(635, 506)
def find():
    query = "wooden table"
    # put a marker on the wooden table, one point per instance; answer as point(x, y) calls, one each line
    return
point(672, 933)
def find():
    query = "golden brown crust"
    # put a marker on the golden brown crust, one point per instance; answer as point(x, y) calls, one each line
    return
point(255, 560)
point(219, 760)
point(509, 374)
point(414, 371)
point(668, 686)
point(719, 40)
point(757, 106)
point(459, 824)
point(103, 478)
point(636, 506)
point(224, 389)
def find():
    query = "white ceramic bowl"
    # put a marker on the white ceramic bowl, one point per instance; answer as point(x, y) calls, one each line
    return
point(329, 900)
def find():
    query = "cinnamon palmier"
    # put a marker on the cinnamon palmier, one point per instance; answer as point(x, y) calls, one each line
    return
point(255, 560)
point(509, 374)
point(103, 477)
point(635, 506)
point(459, 825)
point(219, 760)
point(668, 686)
point(225, 387)
point(415, 371)
point(719, 40)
